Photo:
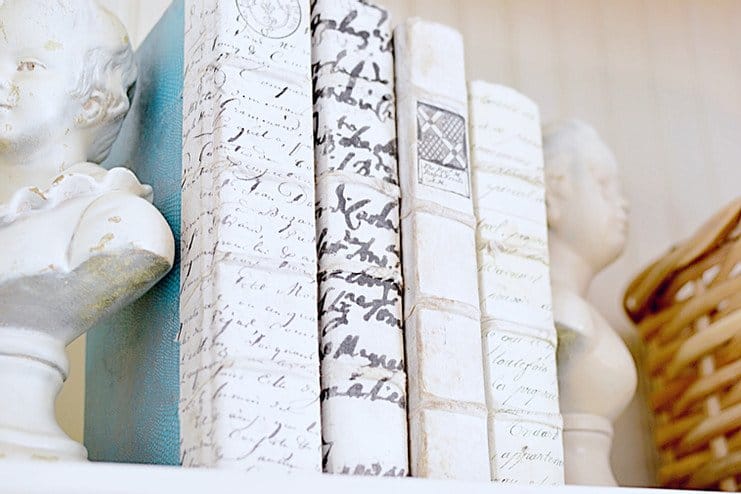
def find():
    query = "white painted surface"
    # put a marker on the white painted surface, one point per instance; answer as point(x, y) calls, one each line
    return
point(658, 79)
point(79, 241)
point(138, 17)
point(102, 478)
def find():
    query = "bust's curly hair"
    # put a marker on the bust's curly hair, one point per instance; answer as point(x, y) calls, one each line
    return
point(108, 75)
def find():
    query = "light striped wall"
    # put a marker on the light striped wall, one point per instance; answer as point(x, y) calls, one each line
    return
point(659, 79)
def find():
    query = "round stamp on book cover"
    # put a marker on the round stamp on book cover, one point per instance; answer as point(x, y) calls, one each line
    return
point(274, 19)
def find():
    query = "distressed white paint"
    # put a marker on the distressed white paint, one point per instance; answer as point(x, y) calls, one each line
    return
point(79, 241)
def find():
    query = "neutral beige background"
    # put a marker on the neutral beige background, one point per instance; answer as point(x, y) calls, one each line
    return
point(659, 79)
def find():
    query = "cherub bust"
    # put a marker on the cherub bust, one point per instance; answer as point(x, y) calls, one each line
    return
point(587, 231)
point(78, 241)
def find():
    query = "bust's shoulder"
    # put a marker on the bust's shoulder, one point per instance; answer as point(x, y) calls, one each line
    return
point(572, 313)
point(86, 211)
point(85, 168)
point(120, 217)
point(83, 182)
point(104, 180)
point(118, 221)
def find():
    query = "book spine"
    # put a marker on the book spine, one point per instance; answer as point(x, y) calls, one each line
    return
point(249, 367)
point(447, 410)
point(363, 393)
point(519, 337)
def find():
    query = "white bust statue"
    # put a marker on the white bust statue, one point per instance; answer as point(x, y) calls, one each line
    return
point(77, 241)
point(587, 231)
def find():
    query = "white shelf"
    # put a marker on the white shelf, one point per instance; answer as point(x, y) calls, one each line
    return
point(105, 478)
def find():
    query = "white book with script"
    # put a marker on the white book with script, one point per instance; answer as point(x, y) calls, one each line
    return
point(519, 336)
point(249, 365)
point(447, 410)
point(363, 397)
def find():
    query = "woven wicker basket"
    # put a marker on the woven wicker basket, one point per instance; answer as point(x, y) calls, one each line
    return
point(687, 306)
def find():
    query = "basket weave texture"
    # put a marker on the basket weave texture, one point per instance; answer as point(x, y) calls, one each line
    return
point(687, 306)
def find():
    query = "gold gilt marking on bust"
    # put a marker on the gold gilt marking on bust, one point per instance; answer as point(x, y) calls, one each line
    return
point(36, 191)
point(52, 45)
point(58, 179)
point(103, 241)
point(115, 219)
point(37, 456)
point(50, 267)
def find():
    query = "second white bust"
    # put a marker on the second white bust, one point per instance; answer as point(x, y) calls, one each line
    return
point(77, 241)
point(587, 231)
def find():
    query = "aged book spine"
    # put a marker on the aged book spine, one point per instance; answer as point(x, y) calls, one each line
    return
point(249, 391)
point(363, 397)
point(447, 410)
point(519, 337)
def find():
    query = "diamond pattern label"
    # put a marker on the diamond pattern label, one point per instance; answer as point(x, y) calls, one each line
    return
point(441, 149)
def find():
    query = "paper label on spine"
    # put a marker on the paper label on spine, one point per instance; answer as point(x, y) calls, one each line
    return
point(442, 149)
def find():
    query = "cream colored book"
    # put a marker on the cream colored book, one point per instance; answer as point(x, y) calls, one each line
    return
point(447, 410)
point(519, 337)
point(249, 366)
point(364, 402)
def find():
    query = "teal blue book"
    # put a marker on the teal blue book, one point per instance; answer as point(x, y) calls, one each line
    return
point(132, 378)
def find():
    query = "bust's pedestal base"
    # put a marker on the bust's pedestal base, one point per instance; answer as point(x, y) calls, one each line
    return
point(587, 440)
point(33, 367)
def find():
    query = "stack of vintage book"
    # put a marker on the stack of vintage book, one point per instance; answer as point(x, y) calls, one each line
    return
point(363, 283)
